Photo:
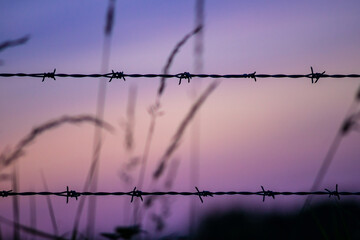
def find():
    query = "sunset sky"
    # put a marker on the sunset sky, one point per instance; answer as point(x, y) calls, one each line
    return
point(273, 133)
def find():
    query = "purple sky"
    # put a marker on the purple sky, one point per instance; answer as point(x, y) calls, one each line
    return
point(274, 132)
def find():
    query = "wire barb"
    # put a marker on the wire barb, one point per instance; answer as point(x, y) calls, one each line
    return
point(117, 75)
point(252, 75)
point(71, 194)
point(136, 193)
point(5, 193)
point(334, 193)
point(267, 193)
point(49, 75)
point(203, 194)
point(184, 75)
point(315, 76)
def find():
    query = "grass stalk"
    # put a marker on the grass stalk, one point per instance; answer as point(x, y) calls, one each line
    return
point(15, 204)
point(33, 218)
point(92, 179)
point(29, 230)
point(346, 126)
point(13, 43)
point(6, 159)
point(50, 207)
point(181, 129)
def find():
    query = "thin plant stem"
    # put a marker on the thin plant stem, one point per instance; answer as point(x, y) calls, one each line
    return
point(331, 152)
point(33, 218)
point(50, 207)
point(16, 208)
point(195, 125)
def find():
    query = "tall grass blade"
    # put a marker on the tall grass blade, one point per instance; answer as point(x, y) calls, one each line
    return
point(15, 204)
point(348, 123)
point(13, 43)
point(32, 214)
point(7, 158)
point(195, 126)
point(29, 230)
point(130, 122)
point(100, 108)
point(50, 206)
point(172, 56)
point(181, 129)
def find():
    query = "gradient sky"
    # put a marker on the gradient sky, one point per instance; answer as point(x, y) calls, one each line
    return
point(274, 132)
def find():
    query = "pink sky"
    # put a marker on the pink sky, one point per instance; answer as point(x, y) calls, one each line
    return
point(274, 132)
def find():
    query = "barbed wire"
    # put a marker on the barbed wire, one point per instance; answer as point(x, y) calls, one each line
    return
point(135, 193)
point(314, 76)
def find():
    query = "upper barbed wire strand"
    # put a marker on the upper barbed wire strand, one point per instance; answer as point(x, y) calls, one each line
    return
point(137, 75)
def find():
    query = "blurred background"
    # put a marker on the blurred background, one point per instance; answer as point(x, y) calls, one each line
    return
point(272, 133)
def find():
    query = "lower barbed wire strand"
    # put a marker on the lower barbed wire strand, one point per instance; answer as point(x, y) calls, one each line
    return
point(136, 75)
point(158, 193)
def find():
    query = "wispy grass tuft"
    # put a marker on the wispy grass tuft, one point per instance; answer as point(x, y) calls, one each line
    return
point(130, 121)
point(50, 206)
point(15, 204)
point(349, 124)
point(181, 129)
point(10, 157)
point(172, 56)
point(33, 218)
point(29, 230)
point(154, 110)
point(92, 177)
point(110, 17)
point(13, 43)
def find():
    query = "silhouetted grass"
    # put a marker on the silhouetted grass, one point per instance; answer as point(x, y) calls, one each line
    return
point(182, 127)
point(10, 157)
point(130, 121)
point(198, 68)
point(29, 230)
point(7, 158)
point(155, 112)
point(133, 162)
point(172, 56)
point(232, 226)
point(195, 126)
point(348, 124)
point(15, 204)
point(50, 207)
point(177, 137)
point(32, 214)
point(13, 43)
point(92, 178)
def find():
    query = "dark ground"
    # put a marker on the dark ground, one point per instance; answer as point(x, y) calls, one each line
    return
point(340, 220)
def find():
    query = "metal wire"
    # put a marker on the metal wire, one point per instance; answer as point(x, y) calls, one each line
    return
point(137, 193)
point(314, 76)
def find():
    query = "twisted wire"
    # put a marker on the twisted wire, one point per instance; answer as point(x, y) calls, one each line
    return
point(135, 193)
point(314, 76)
